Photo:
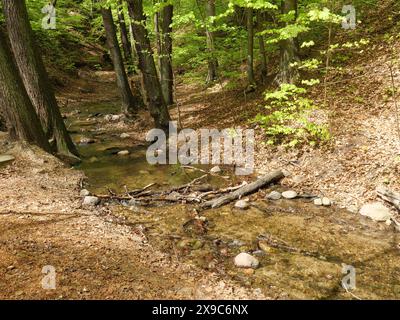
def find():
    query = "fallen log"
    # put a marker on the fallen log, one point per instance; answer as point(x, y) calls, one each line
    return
point(245, 190)
point(389, 196)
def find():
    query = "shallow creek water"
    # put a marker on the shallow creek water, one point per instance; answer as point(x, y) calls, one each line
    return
point(307, 244)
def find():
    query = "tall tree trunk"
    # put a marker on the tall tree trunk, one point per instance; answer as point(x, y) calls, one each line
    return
point(250, 49)
point(288, 51)
point(156, 21)
point(35, 79)
point(263, 53)
point(151, 83)
point(166, 72)
point(212, 60)
point(126, 44)
point(129, 104)
point(21, 117)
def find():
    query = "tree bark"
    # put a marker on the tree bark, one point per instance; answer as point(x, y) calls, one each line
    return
point(250, 48)
point(129, 105)
point(22, 119)
point(288, 51)
point(151, 83)
point(261, 44)
point(126, 44)
point(166, 72)
point(35, 79)
point(212, 60)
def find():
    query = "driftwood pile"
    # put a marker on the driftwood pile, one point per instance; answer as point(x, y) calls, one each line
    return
point(195, 192)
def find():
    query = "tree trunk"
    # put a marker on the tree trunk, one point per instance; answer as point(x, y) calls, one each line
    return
point(263, 54)
point(250, 48)
point(21, 117)
point(35, 79)
point(166, 72)
point(157, 33)
point(212, 60)
point(126, 44)
point(288, 51)
point(151, 83)
point(129, 105)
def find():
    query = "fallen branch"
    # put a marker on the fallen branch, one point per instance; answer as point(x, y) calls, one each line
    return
point(389, 196)
point(245, 190)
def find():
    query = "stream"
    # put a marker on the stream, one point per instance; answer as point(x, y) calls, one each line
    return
point(301, 248)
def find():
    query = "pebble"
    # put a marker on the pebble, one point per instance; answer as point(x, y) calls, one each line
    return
point(290, 194)
point(85, 193)
point(124, 135)
point(245, 260)
point(242, 204)
point(376, 211)
point(215, 169)
point(91, 201)
point(86, 141)
point(326, 202)
point(123, 152)
point(318, 202)
point(274, 195)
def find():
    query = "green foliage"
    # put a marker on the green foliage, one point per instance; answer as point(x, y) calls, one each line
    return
point(289, 119)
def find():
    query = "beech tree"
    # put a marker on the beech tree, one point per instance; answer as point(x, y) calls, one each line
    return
point(151, 83)
point(129, 104)
point(22, 120)
point(35, 78)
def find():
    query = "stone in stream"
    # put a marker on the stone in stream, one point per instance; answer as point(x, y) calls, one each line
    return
point(124, 135)
point(274, 195)
point(245, 260)
point(318, 202)
point(4, 158)
point(376, 211)
point(326, 202)
point(123, 152)
point(242, 204)
point(85, 140)
point(290, 194)
point(215, 169)
point(85, 193)
point(91, 201)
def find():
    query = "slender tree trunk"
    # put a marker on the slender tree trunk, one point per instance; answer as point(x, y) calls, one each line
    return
point(263, 54)
point(250, 48)
point(212, 60)
point(151, 83)
point(129, 104)
point(126, 44)
point(288, 51)
point(35, 79)
point(166, 72)
point(156, 21)
point(21, 117)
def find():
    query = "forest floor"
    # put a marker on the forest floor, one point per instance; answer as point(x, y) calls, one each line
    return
point(42, 221)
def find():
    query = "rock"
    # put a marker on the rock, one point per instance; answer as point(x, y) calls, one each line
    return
point(245, 260)
point(290, 194)
point(4, 158)
point(91, 201)
point(108, 117)
point(124, 135)
point(376, 211)
point(274, 195)
point(318, 202)
point(115, 117)
point(242, 204)
point(388, 222)
point(85, 140)
point(123, 152)
point(326, 202)
point(85, 193)
point(215, 169)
